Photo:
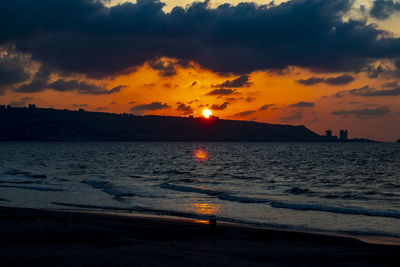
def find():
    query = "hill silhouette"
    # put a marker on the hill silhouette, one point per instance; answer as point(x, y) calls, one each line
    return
point(39, 124)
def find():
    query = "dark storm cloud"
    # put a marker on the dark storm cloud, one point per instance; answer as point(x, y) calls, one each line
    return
point(245, 113)
point(367, 91)
point(41, 82)
point(150, 107)
point(184, 109)
point(339, 80)
point(266, 106)
point(303, 104)
point(242, 81)
point(84, 36)
point(380, 111)
point(166, 68)
point(12, 71)
point(383, 9)
point(221, 92)
point(220, 107)
point(81, 87)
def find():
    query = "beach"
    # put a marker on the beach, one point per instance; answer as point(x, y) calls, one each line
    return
point(34, 237)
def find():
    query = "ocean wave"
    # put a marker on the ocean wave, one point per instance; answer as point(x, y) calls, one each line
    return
point(183, 188)
point(219, 194)
point(285, 205)
point(36, 188)
point(241, 199)
point(299, 191)
point(109, 189)
point(333, 209)
point(14, 172)
point(117, 192)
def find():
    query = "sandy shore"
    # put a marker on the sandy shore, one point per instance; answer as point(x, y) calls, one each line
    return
point(31, 237)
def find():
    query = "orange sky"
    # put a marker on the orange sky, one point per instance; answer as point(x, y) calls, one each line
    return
point(191, 86)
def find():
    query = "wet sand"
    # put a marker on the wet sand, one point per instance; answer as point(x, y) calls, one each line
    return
point(30, 237)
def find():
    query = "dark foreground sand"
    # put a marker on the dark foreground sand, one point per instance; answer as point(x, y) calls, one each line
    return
point(60, 238)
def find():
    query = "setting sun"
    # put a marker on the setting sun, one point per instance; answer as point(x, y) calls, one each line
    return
point(207, 113)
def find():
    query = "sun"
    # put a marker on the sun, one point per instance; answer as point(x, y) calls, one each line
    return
point(207, 113)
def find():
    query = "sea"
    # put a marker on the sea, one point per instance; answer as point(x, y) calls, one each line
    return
point(338, 188)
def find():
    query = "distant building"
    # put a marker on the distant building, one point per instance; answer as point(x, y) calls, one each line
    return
point(190, 116)
point(343, 135)
point(31, 106)
point(329, 137)
point(328, 133)
point(2, 106)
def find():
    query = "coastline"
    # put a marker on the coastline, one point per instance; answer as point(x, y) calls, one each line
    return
point(57, 237)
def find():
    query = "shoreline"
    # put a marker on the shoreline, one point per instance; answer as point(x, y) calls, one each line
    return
point(370, 239)
point(58, 237)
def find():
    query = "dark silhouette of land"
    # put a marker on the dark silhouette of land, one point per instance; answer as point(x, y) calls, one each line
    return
point(44, 124)
point(39, 124)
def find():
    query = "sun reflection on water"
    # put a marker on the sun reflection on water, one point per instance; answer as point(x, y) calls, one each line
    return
point(201, 154)
point(206, 209)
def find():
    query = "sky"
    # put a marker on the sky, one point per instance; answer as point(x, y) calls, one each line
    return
point(323, 64)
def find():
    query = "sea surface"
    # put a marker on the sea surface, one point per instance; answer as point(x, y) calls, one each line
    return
point(343, 188)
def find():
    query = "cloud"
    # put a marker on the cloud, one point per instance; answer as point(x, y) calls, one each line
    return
point(150, 107)
point(237, 39)
point(12, 71)
point(41, 82)
point(292, 117)
point(113, 103)
point(18, 104)
point(380, 111)
point(390, 84)
point(242, 81)
point(250, 99)
point(339, 80)
point(184, 109)
point(82, 87)
point(311, 81)
point(221, 92)
point(266, 106)
point(302, 104)
point(245, 113)
point(101, 108)
point(131, 102)
point(220, 107)
point(166, 68)
point(383, 9)
point(79, 105)
point(367, 91)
